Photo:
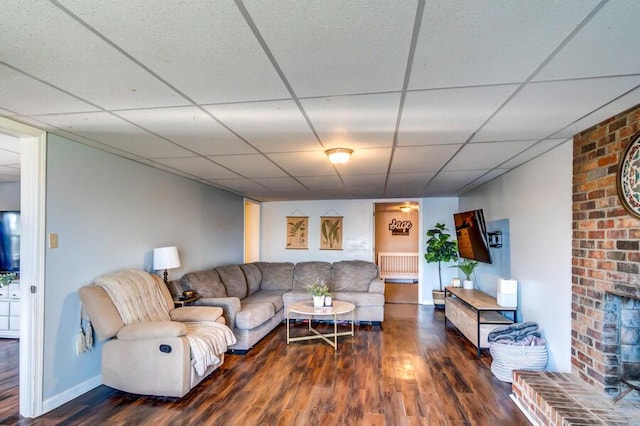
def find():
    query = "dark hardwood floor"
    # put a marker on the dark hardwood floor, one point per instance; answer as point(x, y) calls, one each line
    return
point(413, 372)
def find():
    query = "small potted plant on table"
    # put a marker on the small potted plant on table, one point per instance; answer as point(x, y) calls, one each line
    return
point(319, 291)
point(467, 267)
point(440, 248)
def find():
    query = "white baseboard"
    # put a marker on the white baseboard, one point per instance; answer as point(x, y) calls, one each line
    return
point(66, 396)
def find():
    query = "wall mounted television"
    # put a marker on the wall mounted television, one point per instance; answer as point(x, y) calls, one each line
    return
point(471, 232)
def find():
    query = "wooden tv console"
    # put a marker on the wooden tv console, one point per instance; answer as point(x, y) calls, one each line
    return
point(475, 314)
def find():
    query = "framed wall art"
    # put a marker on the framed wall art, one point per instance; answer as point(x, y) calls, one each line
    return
point(628, 178)
point(330, 232)
point(297, 232)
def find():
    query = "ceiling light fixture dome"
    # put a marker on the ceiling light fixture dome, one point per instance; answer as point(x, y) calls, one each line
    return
point(339, 155)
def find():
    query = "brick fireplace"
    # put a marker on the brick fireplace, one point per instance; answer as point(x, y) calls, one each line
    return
point(605, 261)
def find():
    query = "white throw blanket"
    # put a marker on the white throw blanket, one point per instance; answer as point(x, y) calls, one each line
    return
point(137, 298)
point(207, 341)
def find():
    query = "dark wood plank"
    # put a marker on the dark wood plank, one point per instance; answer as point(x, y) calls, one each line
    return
point(413, 372)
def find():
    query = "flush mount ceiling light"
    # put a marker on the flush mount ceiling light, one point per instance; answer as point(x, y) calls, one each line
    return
point(405, 209)
point(339, 155)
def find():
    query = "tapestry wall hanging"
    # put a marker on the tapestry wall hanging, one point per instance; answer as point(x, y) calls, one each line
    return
point(628, 179)
point(297, 232)
point(330, 232)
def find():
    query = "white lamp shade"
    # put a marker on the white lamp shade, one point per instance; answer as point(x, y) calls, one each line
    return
point(165, 258)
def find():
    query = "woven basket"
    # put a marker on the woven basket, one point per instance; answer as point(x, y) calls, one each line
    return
point(507, 358)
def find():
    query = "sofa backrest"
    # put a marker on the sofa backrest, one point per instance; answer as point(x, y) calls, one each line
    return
point(276, 275)
point(253, 276)
point(234, 281)
point(353, 275)
point(207, 283)
point(307, 273)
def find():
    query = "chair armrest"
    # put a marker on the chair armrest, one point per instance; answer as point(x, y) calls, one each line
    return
point(376, 286)
point(152, 330)
point(196, 313)
point(230, 306)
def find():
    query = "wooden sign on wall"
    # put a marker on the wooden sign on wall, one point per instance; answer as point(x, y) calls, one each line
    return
point(400, 227)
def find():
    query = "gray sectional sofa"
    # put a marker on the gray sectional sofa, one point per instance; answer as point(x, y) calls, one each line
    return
point(254, 296)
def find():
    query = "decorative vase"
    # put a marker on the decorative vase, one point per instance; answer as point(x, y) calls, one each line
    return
point(468, 284)
point(328, 301)
point(318, 301)
point(455, 282)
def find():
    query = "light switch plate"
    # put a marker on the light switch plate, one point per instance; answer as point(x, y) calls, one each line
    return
point(53, 240)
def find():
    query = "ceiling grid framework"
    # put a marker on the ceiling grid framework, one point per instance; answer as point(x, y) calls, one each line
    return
point(435, 97)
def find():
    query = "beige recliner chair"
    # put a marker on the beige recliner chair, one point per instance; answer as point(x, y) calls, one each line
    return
point(152, 348)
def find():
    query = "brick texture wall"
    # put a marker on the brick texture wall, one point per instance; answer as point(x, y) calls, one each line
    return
point(606, 248)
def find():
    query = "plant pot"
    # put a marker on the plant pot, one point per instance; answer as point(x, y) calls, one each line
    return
point(468, 284)
point(318, 301)
point(438, 298)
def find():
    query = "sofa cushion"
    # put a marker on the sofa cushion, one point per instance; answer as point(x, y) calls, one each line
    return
point(353, 275)
point(269, 296)
point(360, 298)
point(253, 276)
point(307, 273)
point(234, 281)
point(295, 296)
point(207, 283)
point(276, 275)
point(253, 314)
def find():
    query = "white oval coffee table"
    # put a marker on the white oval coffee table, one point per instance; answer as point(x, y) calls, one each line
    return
point(306, 308)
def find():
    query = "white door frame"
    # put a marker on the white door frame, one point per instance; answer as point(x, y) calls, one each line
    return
point(33, 146)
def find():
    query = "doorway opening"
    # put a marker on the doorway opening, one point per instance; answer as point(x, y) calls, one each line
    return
point(31, 289)
point(397, 242)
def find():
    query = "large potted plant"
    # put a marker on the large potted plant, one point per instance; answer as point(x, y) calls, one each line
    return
point(441, 249)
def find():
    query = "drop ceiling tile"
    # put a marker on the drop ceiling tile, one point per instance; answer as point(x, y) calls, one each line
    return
point(490, 175)
point(595, 49)
point(197, 166)
point(535, 150)
point(366, 161)
point(276, 126)
point(309, 163)
point(365, 121)
point(408, 184)
point(283, 184)
point(448, 116)
point(365, 180)
point(452, 183)
point(89, 142)
point(486, 155)
point(611, 109)
point(250, 165)
point(191, 128)
point(244, 186)
point(337, 47)
point(422, 159)
point(25, 95)
point(117, 133)
point(471, 42)
point(541, 109)
point(53, 47)
point(226, 62)
point(323, 183)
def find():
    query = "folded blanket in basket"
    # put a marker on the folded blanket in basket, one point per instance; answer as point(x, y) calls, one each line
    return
point(514, 332)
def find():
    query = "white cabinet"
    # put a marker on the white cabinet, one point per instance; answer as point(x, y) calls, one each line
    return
point(10, 310)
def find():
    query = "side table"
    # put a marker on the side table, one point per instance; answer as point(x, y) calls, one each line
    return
point(184, 301)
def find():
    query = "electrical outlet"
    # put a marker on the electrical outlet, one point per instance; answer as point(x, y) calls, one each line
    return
point(53, 240)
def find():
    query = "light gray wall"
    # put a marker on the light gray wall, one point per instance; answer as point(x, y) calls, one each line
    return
point(536, 201)
point(10, 196)
point(110, 213)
